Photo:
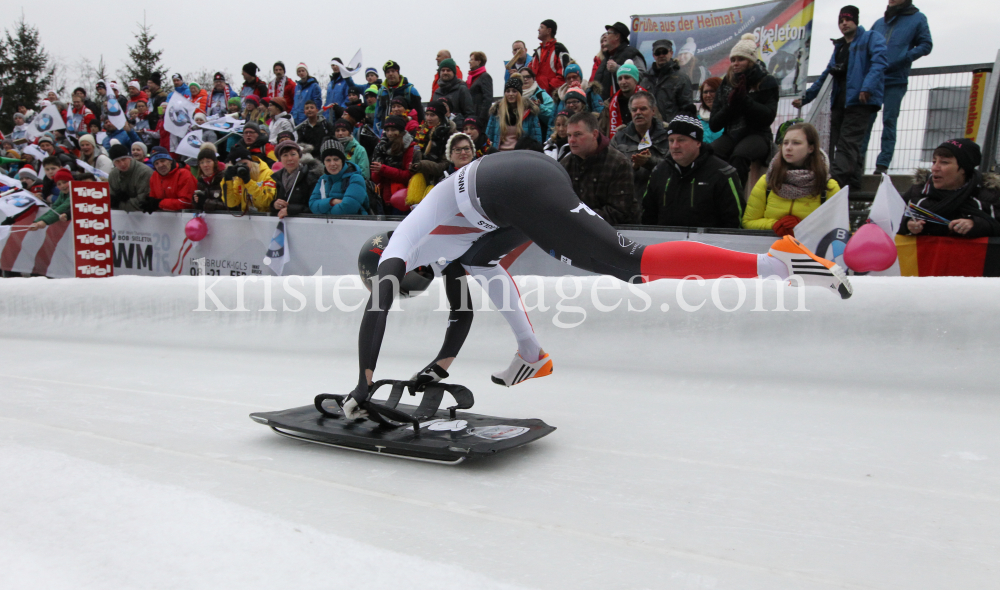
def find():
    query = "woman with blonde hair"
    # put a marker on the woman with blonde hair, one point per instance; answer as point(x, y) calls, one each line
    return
point(796, 184)
point(513, 117)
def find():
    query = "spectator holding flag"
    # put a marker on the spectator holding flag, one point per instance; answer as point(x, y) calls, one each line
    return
point(199, 96)
point(218, 101)
point(60, 210)
point(135, 94)
point(336, 89)
point(295, 181)
point(179, 86)
point(282, 86)
point(306, 89)
point(79, 116)
point(92, 154)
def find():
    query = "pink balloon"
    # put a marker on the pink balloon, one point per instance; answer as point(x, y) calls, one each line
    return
point(398, 200)
point(277, 166)
point(869, 249)
point(196, 229)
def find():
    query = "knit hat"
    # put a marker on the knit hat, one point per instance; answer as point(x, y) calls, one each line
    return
point(332, 147)
point(576, 94)
point(142, 146)
point(472, 121)
point(200, 118)
point(287, 145)
point(628, 69)
point(688, 47)
point(253, 126)
point(663, 44)
point(456, 137)
point(356, 112)
point(194, 85)
point(28, 170)
point(436, 107)
point(63, 174)
point(88, 138)
point(447, 64)
point(398, 100)
point(47, 137)
point(390, 65)
point(134, 84)
point(252, 98)
point(551, 24)
point(280, 103)
point(208, 153)
point(101, 84)
point(176, 76)
point(514, 82)
point(621, 29)
point(395, 122)
point(159, 153)
point(342, 124)
point(686, 125)
point(573, 69)
point(118, 151)
point(850, 13)
point(566, 114)
point(250, 68)
point(302, 65)
point(156, 78)
point(371, 71)
point(373, 89)
point(967, 153)
point(235, 100)
point(218, 77)
point(238, 153)
point(745, 47)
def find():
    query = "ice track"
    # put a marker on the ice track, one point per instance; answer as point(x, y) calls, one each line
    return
point(854, 445)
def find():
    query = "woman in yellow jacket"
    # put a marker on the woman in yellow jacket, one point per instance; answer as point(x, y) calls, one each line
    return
point(796, 184)
point(248, 183)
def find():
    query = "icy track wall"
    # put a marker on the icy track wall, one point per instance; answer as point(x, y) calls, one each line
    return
point(893, 328)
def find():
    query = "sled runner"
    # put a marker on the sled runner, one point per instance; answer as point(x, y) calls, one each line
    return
point(424, 432)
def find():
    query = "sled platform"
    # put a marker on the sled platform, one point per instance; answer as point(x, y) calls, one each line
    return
point(423, 432)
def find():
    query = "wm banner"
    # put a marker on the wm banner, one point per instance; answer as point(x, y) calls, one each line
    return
point(702, 40)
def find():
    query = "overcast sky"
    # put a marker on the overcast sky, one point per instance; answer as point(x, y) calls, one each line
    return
point(196, 34)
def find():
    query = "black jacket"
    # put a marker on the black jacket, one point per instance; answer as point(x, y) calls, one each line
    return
point(747, 108)
point(209, 191)
point(706, 195)
point(671, 88)
point(311, 137)
point(298, 200)
point(608, 80)
point(458, 96)
point(482, 98)
point(978, 200)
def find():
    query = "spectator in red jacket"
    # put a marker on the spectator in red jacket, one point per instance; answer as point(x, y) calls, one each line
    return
point(282, 86)
point(171, 187)
point(199, 96)
point(390, 168)
point(550, 58)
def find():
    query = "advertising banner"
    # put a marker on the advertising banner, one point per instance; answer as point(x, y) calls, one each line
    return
point(90, 208)
point(980, 78)
point(702, 40)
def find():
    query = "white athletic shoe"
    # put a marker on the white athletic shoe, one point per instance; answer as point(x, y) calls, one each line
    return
point(521, 370)
point(813, 270)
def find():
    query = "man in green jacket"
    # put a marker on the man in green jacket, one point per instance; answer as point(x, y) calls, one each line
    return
point(129, 181)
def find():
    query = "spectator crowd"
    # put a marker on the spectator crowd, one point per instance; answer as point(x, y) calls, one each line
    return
point(641, 143)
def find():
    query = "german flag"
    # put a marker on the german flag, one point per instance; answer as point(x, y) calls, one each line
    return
point(939, 256)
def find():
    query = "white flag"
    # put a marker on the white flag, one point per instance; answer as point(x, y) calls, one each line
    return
point(826, 230)
point(191, 144)
point(278, 252)
point(8, 181)
point(46, 121)
point(99, 174)
point(888, 207)
point(351, 68)
point(35, 152)
point(11, 205)
point(179, 115)
point(226, 124)
point(115, 114)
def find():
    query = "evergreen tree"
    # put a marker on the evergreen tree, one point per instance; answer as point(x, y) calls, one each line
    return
point(101, 72)
point(144, 61)
point(25, 71)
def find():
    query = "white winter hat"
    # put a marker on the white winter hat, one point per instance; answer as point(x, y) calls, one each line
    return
point(745, 47)
point(134, 84)
point(302, 64)
point(458, 137)
point(89, 139)
point(688, 47)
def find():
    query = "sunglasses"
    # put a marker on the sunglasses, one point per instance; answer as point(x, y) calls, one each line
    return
point(661, 52)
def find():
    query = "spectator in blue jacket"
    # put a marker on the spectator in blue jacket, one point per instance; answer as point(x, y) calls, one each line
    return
point(396, 86)
point(179, 86)
point(857, 67)
point(341, 190)
point(307, 88)
point(907, 39)
point(336, 90)
point(125, 137)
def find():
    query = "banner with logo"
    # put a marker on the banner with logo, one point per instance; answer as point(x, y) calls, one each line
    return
point(115, 114)
point(278, 252)
point(190, 144)
point(702, 39)
point(179, 115)
point(826, 230)
point(48, 120)
point(98, 173)
point(977, 92)
point(226, 124)
point(17, 202)
point(90, 207)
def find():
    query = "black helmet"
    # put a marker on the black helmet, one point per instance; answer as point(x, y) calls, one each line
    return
point(413, 282)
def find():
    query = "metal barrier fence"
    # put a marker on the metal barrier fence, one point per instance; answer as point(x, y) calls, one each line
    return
point(934, 109)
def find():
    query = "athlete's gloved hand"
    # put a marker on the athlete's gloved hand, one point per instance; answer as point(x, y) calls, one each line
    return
point(432, 373)
point(351, 409)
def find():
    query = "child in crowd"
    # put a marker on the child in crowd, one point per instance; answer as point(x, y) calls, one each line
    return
point(60, 209)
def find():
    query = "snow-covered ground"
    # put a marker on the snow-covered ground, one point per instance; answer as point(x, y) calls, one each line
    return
point(853, 445)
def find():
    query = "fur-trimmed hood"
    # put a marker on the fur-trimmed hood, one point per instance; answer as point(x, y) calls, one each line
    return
point(587, 87)
point(991, 181)
point(528, 106)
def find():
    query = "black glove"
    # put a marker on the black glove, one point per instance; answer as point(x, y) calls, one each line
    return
point(150, 205)
point(244, 174)
point(230, 173)
point(432, 373)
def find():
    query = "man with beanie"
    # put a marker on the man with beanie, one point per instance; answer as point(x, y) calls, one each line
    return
point(129, 181)
point(221, 93)
point(336, 90)
point(628, 84)
point(664, 79)
point(371, 78)
point(252, 84)
point(157, 97)
point(441, 56)
point(282, 85)
point(908, 38)
point(601, 176)
point(619, 51)
point(956, 190)
point(858, 70)
point(396, 86)
point(691, 187)
point(550, 58)
point(306, 89)
point(453, 88)
point(172, 187)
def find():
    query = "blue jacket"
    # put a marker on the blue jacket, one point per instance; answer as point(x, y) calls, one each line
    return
point(865, 70)
point(406, 91)
point(336, 90)
point(529, 125)
point(307, 90)
point(907, 39)
point(183, 89)
point(332, 186)
point(126, 138)
point(506, 72)
point(546, 109)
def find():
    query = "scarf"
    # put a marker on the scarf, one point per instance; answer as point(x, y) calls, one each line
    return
point(470, 79)
point(954, 204)
point(277, 86)
point(616, 113)
point(798, 183)
point(288, 181)
point(530, 90)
